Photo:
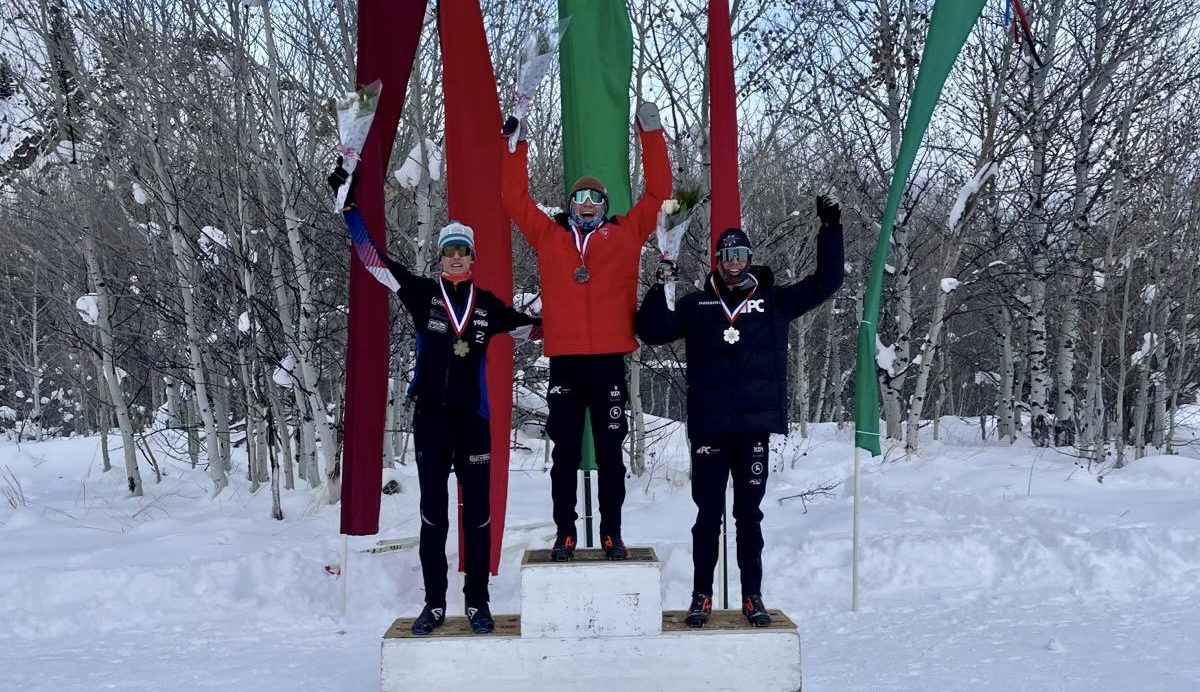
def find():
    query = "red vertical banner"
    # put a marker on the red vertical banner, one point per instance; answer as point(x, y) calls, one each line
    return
point(388, 34)
point(473, 193)
point(723, 130)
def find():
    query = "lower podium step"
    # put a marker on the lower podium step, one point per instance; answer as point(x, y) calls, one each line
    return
point(727, 654)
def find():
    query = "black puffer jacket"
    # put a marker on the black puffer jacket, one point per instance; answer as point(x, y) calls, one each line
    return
point(740, 387)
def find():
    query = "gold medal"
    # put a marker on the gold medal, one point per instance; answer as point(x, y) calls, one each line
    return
point(461, 349)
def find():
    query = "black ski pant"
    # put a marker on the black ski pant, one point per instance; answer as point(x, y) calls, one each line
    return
point(454, 439)
point(744, 457)
point(594, 383)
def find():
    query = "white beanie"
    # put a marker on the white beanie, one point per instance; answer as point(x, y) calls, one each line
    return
point(455, 233)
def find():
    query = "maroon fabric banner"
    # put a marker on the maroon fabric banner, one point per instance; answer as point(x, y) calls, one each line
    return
point(723, 133)
point(473, 193)
point(388, 33)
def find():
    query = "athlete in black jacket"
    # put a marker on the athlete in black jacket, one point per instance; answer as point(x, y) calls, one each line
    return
point(454, 320)
point(736, 333)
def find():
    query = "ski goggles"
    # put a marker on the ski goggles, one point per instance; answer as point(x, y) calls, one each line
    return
point(731, 254)
point(585, 196)
point(456, 250)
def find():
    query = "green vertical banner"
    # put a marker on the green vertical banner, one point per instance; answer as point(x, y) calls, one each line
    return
point(949, 26)
point(596, 61)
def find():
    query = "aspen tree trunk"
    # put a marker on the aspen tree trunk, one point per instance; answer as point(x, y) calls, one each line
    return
point(1178, 379)
point(803, 399)
point(115, 394)
point(637, 442)
point(221, 413)
point(103, 411)
point(824, 407)
point(1039, 377)
point(1122, 367)
point(305, 351)
point(1006, 401)
point(184, 268)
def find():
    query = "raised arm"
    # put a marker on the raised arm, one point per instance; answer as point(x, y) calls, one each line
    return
point(387, 271)
point(514, 188)
point(656, 169)
point(814, 289)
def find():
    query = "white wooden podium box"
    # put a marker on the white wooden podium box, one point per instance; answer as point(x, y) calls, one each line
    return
point(594, 624)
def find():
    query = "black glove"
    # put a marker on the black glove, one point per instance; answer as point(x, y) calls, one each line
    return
point(667, 271)
point(512, 125)
point(338, 177)
point(829, 211)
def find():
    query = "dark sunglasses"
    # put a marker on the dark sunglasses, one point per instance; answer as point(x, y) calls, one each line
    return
point(729, 254)
point(456, 251)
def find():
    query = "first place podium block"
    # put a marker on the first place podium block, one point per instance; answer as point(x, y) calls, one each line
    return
point(594, 624)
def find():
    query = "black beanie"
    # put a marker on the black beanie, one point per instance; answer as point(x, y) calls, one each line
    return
point(733, 237)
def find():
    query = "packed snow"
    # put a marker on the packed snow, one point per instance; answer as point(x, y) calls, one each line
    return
point(984, 566)
point(420, 163)
point(966, 192)
point(88, 310)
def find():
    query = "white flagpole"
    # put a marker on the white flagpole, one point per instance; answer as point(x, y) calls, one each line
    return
point(854, 550)
point(345, 570)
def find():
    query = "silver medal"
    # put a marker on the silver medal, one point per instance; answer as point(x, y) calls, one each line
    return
point(461, 348)
point(732, 335)
point(582, 275)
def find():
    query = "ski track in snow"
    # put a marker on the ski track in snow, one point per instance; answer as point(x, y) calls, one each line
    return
point(984, 567)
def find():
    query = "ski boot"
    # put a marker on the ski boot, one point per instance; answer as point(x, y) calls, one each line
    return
point(699, 610)
point(429, 620)
point(564, 549)
point(481, 619)
point(614, 547)
point(754, 610)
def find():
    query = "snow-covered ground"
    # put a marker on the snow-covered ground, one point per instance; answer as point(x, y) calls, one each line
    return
point(984, 567)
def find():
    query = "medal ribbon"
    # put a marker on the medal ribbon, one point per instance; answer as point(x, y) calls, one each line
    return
point(582, 242)
point(460, 326)
point(732, 316)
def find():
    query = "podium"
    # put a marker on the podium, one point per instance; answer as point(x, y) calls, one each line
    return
point(595, 624)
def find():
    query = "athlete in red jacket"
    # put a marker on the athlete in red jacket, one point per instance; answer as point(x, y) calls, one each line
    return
point(588, 263)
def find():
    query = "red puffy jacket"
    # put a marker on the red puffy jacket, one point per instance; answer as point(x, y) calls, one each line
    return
point(595, 316)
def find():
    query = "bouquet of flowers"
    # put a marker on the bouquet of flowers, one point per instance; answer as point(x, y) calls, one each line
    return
point(355, 113)
point(537, 56)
